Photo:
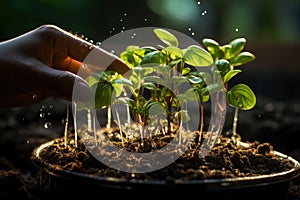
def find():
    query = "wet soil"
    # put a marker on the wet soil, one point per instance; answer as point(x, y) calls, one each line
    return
point(271, 126)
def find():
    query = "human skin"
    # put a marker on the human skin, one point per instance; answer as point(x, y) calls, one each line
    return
point(44, 62)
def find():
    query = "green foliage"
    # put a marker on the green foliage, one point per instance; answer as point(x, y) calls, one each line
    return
point(159, 73)
point(227, 58)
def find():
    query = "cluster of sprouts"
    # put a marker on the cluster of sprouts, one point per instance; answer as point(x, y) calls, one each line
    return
point(165, 79)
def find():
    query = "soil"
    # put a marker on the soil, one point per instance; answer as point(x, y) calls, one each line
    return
point(225, 160)
point(22, 131)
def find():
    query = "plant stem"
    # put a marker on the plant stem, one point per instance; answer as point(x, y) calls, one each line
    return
point(94, 126)
point(66, 126)
point(75, 124)
point(234, 126)
point(108, 125)
point(89, 120)
point(119, 125)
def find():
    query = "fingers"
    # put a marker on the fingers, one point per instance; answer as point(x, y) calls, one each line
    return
point(82, 51)
point(61, 83)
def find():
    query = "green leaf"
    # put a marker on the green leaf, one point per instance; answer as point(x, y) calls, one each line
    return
point(129, 56)
point(174, 52)
point(185, 70)
point(144, 50)
point(226, 50)
point(223, 66)
point(149, 86)
point(166, 37)
point(155, 80)
point(241, 96)
point(179, 80)
point(197, 56)
point(242, 58)
point(123, 81)
point(237, 45)
point(231, 74)
point(155, 109)
point(212, 46)
point(103, 95)
point(183, 115)
point(154, 57)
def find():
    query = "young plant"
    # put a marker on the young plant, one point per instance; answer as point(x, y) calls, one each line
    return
point(162, 73)
point(227, 58)
point(156, 92)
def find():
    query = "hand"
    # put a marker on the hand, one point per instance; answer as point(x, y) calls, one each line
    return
point(44, 62)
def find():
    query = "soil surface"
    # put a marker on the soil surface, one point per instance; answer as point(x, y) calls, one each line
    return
point(270, 126)
point(225, 160)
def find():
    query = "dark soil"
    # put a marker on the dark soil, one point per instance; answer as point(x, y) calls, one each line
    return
point(225, 160)
point(274, 125)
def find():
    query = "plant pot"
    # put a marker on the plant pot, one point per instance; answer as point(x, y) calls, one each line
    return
point(59, 183)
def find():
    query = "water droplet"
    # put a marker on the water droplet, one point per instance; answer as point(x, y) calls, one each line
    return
point(204, 13)
point(42, 115)
point(193, 33)
point(112, 51)
point(121, 20)
point(27, 141)
point(49, 113)
point(236, 30)
point(34, 97)
point(98, 43)
point(145, 19)
point(198, 2)
point(91, 41)
point(123, 27)
point(63, 121)
point(47, 125)
point(125, 14)
point(51, 106)
point(190, 29)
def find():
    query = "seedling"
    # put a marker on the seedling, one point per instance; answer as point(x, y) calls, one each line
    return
point(154, 95)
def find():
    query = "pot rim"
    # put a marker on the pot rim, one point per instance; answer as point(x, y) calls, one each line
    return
point(207, 184)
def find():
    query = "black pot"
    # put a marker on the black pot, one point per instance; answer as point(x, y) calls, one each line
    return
point(57, 183)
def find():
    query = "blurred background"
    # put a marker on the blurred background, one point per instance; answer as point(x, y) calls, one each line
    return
point(272, 30)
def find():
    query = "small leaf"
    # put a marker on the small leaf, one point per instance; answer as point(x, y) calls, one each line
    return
point(123, 81)
point(154, 57)
point(183, 116)
point(129, 56)
point(226, 50)
point(197, 56)
point(185, 70)
point(241, 96)
point(231, 74)
point(149, 86)
point(223, 66)
point(166, 37)
point(212, 46)
point(174, 52)
point(103, 95)
point(144, 50)
point(237, 46)
point(242, 58)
